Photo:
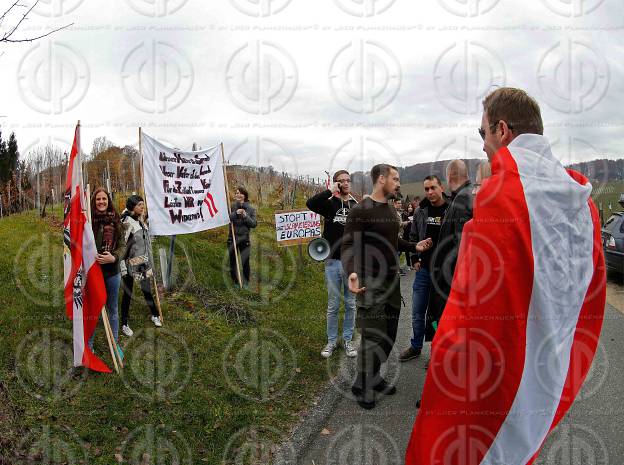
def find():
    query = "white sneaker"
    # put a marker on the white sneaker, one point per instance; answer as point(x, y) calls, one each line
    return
point(328, 350)
point(156, 321)
point(350, 349)
point(126, 330)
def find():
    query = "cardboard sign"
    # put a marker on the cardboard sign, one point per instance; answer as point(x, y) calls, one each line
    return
point(296, 226)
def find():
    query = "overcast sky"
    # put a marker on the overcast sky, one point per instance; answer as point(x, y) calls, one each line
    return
point(308, 86)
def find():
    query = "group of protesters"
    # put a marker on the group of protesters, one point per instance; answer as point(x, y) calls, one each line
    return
point(366, 241)
point(124, 254)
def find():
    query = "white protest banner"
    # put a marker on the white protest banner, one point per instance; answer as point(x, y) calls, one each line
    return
point(296, 226)
point(185, 190)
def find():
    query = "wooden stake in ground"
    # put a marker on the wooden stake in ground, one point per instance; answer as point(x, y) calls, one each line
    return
point(104, 314)
point(227, 194)
point(160, 314)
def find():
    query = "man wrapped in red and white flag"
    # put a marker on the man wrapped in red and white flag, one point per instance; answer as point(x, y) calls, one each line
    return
point(521, 325)
point(85, 292)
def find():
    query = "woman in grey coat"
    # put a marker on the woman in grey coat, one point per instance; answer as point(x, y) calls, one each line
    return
point(243, 217)
point(136, 264)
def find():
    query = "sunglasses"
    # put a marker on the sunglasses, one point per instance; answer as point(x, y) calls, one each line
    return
point(482, 131)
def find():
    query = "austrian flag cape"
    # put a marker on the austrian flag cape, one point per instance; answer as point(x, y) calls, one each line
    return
point(85, 293)
point(521, 326)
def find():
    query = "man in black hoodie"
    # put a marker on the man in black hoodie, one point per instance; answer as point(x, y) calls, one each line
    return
point(334, 205)
point(426, 223)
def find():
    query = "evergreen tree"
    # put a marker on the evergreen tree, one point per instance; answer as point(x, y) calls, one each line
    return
point(4, 161)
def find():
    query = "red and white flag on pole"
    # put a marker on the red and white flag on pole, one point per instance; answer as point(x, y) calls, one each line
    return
point(521, 326)
point(85, 292)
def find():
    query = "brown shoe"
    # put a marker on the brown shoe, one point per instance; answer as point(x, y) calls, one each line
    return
point(409, 354)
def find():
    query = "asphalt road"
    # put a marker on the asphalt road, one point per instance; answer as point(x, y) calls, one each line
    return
point(592, 433)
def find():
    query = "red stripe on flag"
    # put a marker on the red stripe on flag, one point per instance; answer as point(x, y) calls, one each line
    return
point(477, 355)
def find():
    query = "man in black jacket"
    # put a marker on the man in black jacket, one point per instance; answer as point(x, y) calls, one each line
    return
point(444, 257)
point(334, 205)
point(426, 224)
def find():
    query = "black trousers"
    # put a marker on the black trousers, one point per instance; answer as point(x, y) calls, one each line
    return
point(378, 310)
point(244, 250)
point(127, 283)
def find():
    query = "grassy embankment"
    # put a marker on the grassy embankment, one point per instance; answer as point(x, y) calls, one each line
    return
point(229, 367)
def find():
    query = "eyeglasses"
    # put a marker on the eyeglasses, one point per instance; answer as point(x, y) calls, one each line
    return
point(482, 131)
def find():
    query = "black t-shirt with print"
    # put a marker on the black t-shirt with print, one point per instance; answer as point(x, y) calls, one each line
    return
point(434, 221)
point(334, 211)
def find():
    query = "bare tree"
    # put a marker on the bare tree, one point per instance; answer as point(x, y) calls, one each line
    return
point(20, 12)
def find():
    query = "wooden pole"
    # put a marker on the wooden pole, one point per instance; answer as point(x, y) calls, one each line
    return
point(104, 314)
point(158, 307)
point(111, 340)
point(227, 194)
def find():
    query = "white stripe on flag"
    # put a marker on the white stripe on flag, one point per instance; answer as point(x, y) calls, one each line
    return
point(78, 334)
point(562, 241)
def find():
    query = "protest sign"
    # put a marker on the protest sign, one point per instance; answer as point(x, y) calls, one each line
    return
point(296, 226)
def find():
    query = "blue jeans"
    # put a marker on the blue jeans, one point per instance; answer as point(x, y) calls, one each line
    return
point(337, 287)
point(112, 284)
point(420, 301)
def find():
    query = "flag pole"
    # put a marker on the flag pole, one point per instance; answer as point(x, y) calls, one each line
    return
point(158, 307)
point(227, 194)
point(104, 313)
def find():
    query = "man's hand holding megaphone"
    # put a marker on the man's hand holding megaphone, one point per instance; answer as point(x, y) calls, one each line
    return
point(354, 280)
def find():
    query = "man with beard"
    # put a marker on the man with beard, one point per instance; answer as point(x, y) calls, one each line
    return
point(334, 205)
point(369, 257)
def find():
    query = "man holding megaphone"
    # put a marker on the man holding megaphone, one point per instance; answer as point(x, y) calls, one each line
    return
point(334, 205)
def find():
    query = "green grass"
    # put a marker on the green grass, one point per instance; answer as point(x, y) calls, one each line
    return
point(191, 388)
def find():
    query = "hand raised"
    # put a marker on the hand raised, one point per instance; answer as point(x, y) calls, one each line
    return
point(424, 245)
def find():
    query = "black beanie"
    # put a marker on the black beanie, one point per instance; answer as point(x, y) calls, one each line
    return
point(133, 201)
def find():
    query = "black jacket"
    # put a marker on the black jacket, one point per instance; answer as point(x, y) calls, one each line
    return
point(334, 212)
point(242, 224)
point(444, 257)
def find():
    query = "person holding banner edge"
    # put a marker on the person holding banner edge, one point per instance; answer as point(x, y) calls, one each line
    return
point(334, 205)
point(136, 264)
point(243, 218)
